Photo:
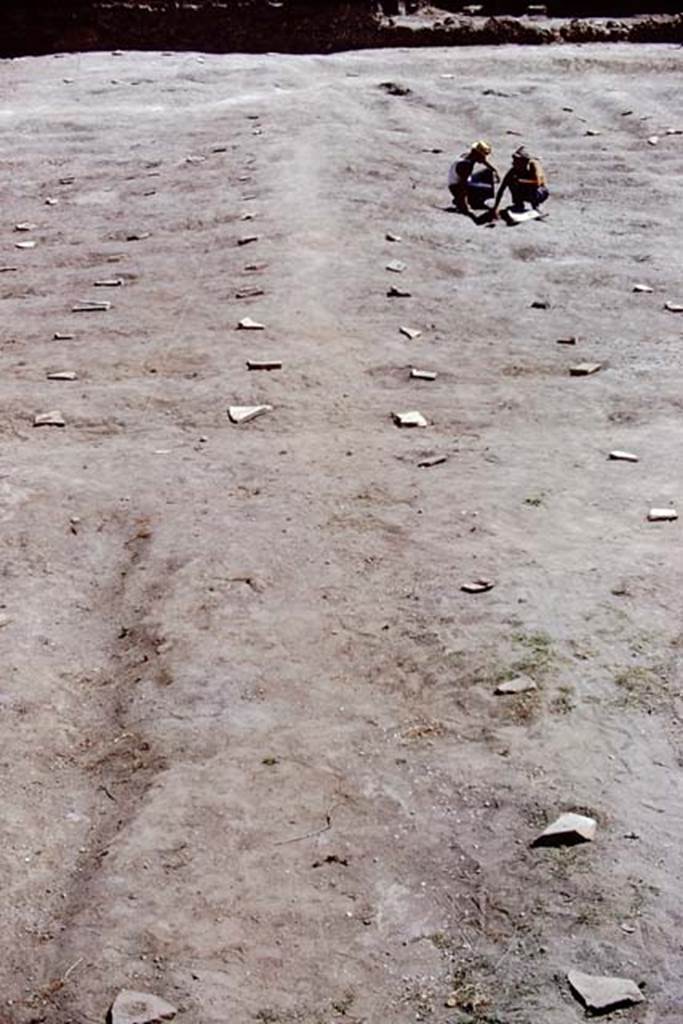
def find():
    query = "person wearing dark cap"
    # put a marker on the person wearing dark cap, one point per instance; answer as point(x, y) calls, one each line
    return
point(526, 182)
point(470, 189)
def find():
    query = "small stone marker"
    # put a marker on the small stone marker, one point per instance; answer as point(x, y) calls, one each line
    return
point(49, 419)
point(91, 307)
point(67, 181)
point(249, 293)
point(520, 684)
point(572, 340)
point(109, 282)
point(255, 268)
point(25, 226)
point(644, 288)
point(247, 239)
point(247, 324)
point(568, 830)
point(61, 336)
point(674, 131)
point(392, 238)
point(592, 131)
point(244, 413)
point(409, 419)
point(600, 994)
point(422, 374)
point(653, 140)
point(540, 304)
point(410, 332)
point(618, 456)
point(584, 369)
point(398, 293)
point(115, 257)
point(264, 364)
point(514, 217)
point(24, 245)
point(436, 460)
point(140, 1008)
point(219, 149)
point(662, 515)
point(7, 270)
point(248, 216)
point(673, 307)
point(51, 201)
point(138, 236)
point(396, 266)
point(478, 586)
point(63, 375)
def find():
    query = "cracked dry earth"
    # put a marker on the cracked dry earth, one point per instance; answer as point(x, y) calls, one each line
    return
point(252, 759)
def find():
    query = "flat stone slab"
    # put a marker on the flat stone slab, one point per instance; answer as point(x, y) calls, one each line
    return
point(8, 270)
point(247, 239)
point(25, 226)
point(91, 307)
point(396, 266)
point(570, 340)
point(422, 374)
point(51, 201)
point(643, 288)
point(244, 413)
point(478, 586)
point(409, 419)
point(390, 237)
point(435, 460)
point(264, 364)
point(673, 307)
point(25, 245)
point(138, 236)
point(249, 293)
point(140, 1008)
point(109, 282)
point(410, 332)
point(63, 375)
point(592, 131)
point(247, 324)
point(49, 419)
point(568, 830)
point(618, 456)
point(398, 293)
point(584, 369)
point(653, 140)
point(602, 994)
point(255, 268)
point(521, 216)
point(520, 684)
point(662, 515)
point(61, 336)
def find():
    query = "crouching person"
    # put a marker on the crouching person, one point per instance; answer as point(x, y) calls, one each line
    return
point(471, 189)
point(526, 182)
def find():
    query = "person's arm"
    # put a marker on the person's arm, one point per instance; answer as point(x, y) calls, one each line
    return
point(496, 176)
point(501, 190)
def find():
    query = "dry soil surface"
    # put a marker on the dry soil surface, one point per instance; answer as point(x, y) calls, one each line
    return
point(253, 761)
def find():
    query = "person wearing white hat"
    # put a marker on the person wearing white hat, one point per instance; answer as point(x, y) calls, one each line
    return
point(470, 189)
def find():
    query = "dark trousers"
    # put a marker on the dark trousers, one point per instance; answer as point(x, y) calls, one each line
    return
point(479, 188)
point(534, 194)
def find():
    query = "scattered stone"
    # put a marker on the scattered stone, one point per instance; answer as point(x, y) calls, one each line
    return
point(247, 239)
point(115, 257)
point(248, 216)
point(60, 336)
point(673, 307)
point(51, 201)
point(244, 413)
point(249, 197)
point(392, 238)
point(249, 293)
point(540, 304)
point(571, 340)
point(568, 830)
point(674, 131)
point(584, 369)
point(66, 181)
point(409, 419)
point(626, 113)
point(410, 332)
point(662, 515)
point(653, 140)
point(422, 374)
point(109, 282)
point(255, 268)
point(219, 149)
point(25, 226)
point(398, 293)
point(138, 236)
point(247, 324)
point(24, 245)
point(5, 620)
point(520, 684)
point(436, 460)
point(91, 307)
point(478, 586)
point(513, 217)
point(393, 89)
point(140, 1008)
point(603, 994)
point(592, 131)
point(63, 375)
point(8, 270)
point(396, 266)
point(195, 159)
point(618, 456)
point(49, 419)
point(537, 11)
point(643, 288)
point(264, 364)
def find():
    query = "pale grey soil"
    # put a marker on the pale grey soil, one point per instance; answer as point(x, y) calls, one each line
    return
point(252, 652)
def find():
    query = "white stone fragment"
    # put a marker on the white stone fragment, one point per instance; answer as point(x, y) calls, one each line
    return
point(520, 684)
point(568, 830)
point(247, 239)
point(91, 307)
point(25, 226)
point(24, 245)
point(601, 994)
point(51, 201)
point(61, 336)
point(422, 374)
point(409, 419)
point(247, 324)
point(49, 419)
point(584, 369)
point(264, 364)
point(478, 586)
point(673, 307)
point(109, 282)
point(644, 288)
point(244, 413)
point(140, 1008)
point(618, 456)
point(662, 515)
point(391, 237)
point(653, 140)
point(63, 375)
point(410, 332)
point(592, 131)
point(396, 266)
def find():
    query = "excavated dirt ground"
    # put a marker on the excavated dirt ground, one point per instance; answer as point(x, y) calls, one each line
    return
point(252, 758)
